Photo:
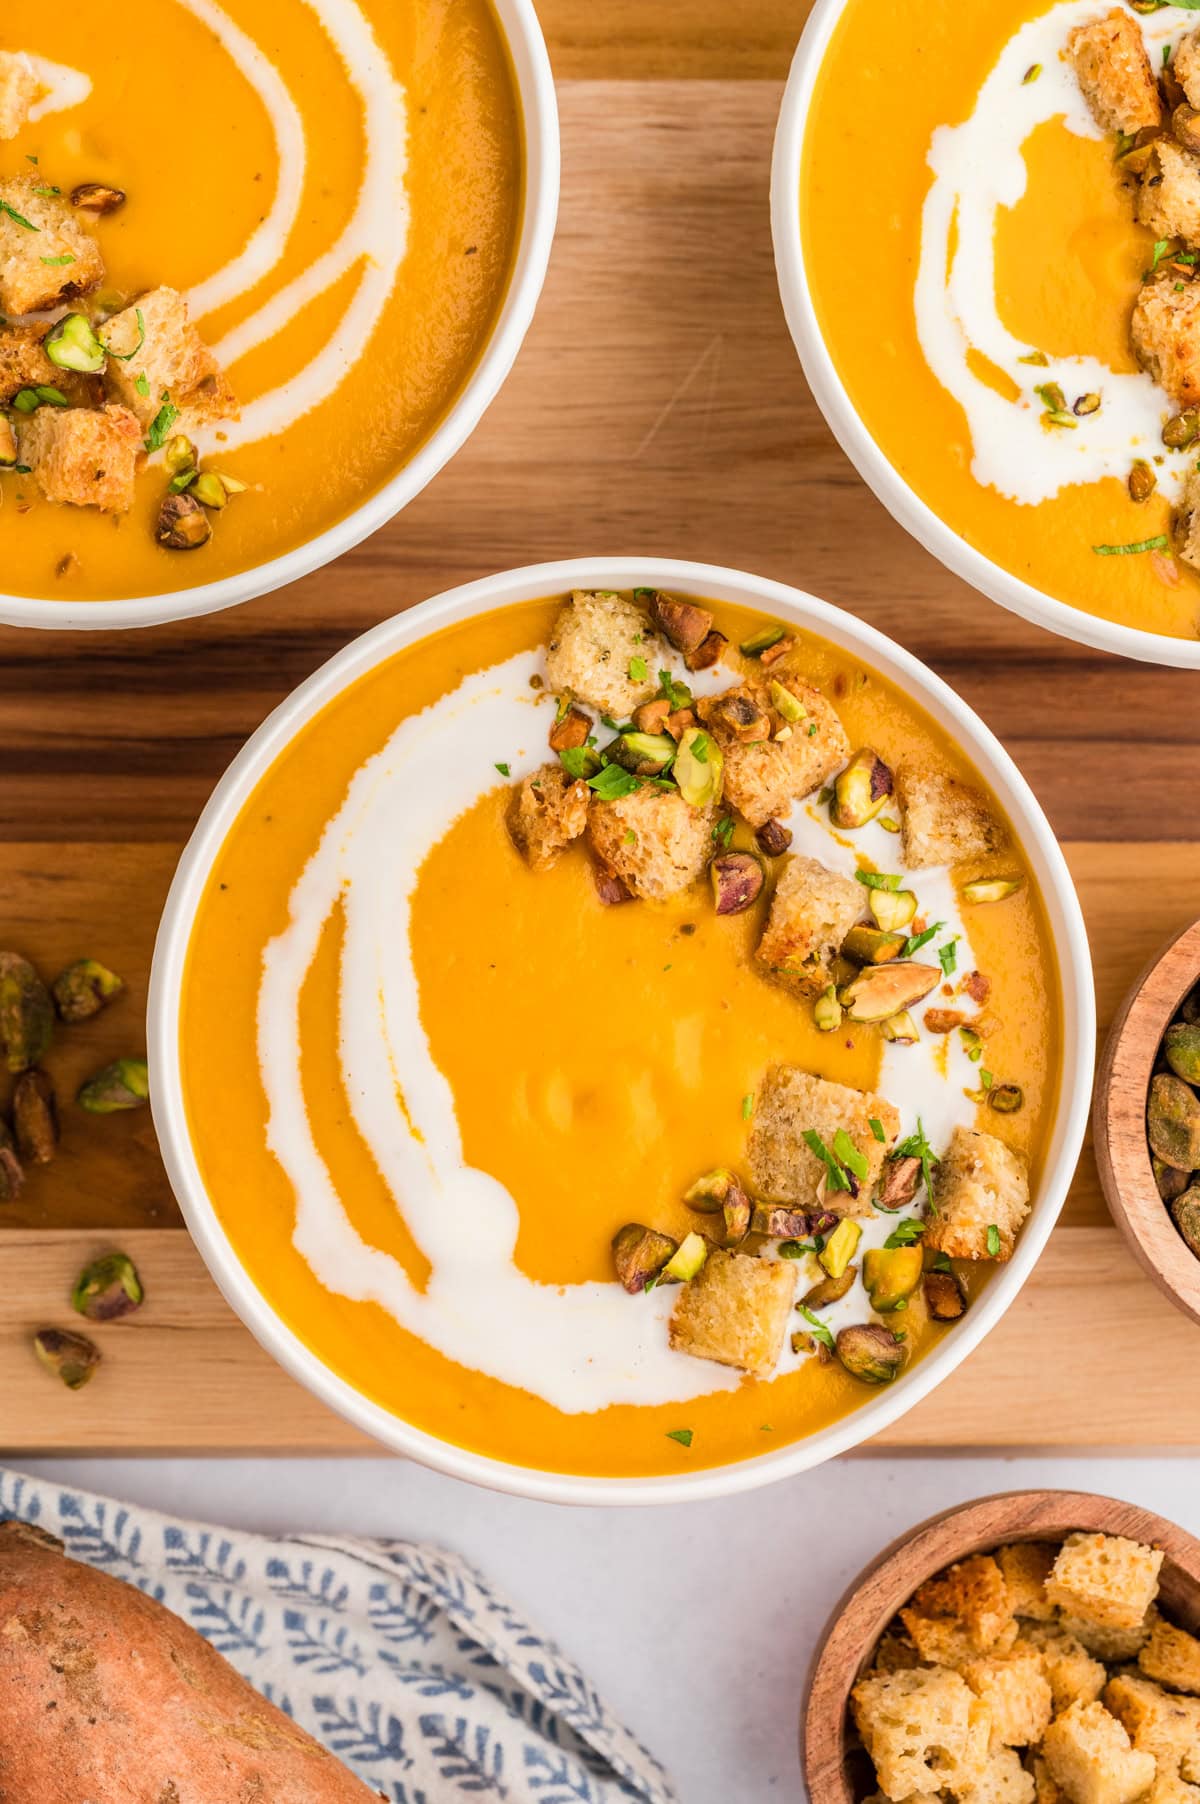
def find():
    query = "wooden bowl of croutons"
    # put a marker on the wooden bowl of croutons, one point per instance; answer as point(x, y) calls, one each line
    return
point(1146, 1119)
point(1040, 1647)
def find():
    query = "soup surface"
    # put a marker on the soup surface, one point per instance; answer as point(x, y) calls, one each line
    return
point(335, 187)
point(1000, 258)
point(427, 1083)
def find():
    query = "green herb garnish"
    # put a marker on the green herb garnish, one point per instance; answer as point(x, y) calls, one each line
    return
point(819, 1331)
point(917, 940)
point(1158, 543)
point(677, 694)
point(747, 1105)
point(682, 1435)
point(161, 424)
point(906, 1233)
point(849, 1155)
point(637, 670)
point(918, 1147)
point(878, 879)
point(57, 262)
point(835, 1175)
point(948, 956)
point(18, 218)
point(993, 1240)
point(504, 770)
point(877, 1128)
point(723, 831)
point(611, 783)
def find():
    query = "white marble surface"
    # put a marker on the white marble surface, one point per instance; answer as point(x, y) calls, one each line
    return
point(698, 1623)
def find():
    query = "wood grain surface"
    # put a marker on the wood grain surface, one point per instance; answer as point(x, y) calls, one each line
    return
point(658, 407)
point(873, 1599)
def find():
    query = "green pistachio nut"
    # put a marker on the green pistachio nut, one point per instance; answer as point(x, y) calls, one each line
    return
point(945, 1297)
point(892, 909)
point(639, 1254)
point(869, 1353)
point(72, 345)
point(12, 1175)
point(891, 1274)
point(71, 1357)
point(35, 1117)
point(1170, 1183)
point(872, 946)
point(699, 767)
point(83, 989)
point(687, 1259)
point(1173, 1122)
point(108, 1289)
point(1182, 1049)
point(827, 1011)
point(26, 1013)
point(830, 1290)
point(840, 1247)
point(125, 1084)
point(1185, 1212)
point(881, 991)
point(991, 889)
point(861, 790)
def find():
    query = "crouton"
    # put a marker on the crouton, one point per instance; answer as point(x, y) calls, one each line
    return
point(1017, 1692)
point(1157, 1722)
point(1026, 1567)
point(171, 360)
point(654, 840)
point(1002, 1781)
point(895, 1653)
point(764, 774)
point(1171, 1656)
point(46, 254)
point(1165, 329)
point(736, 1311)
point(1168, 201)
point(1114, 72)
point(597, 644)
point(1073, 1675)
point(978, 1186)
point(83, 457)
point(23, 362)
point(18, 91)
point(791, 1103)
point(961, 1613)
point(1045, 1791)
point(922, 1729)
point(812, 911)
point(1185, 65)
point(1186, 524)
point(1112, 1645)
point(546, 813)
point(8, 443)
point(943, 821)
point(1105, 1579)
point(1091, 1757)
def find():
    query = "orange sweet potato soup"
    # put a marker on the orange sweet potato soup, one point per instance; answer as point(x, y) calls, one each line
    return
point(1004, 291)
point(281, 236)
point(504, 1103)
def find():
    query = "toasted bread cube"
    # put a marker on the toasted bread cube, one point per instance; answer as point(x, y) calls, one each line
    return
point(1003, 1781)
point(1045, 1791)
point(1017, 1692)
point(1026, 1567)
point(546, 813)
point(8, 443)
point(791, 1103)
point(1114, 72)
point(978, 1184)
point(943, 821)
point(655, 841)
point(172, 361)
point(1171, 1656)
point(1185, 65)
point(736, 1311)
point(1111, 1645)
point(1168, 201)
point(1105, 1579)
point(597, 642)
point(960, 1614)
point(1158, 1722)
point(23, 362)
point(1074, 1676)
point(1165, 329)
point(1091, 1757)
point(895, 1653)
point(18, 91)
point(1186, 526)
point(812, 911)
point(923, 1729)
point(765, 775)
point(47, 259)
point(83, 457)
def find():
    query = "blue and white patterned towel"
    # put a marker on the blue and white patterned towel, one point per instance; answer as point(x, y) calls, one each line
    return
point(398, 1656)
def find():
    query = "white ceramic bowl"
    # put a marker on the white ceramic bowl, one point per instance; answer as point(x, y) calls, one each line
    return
point(844, 422)
point(1041, 849)
point(539, 118)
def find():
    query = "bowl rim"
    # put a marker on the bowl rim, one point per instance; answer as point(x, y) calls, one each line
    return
point(538, 106)
point(1119, 1119)
point(890, 1579)
point(844, 421)
point(547, 580)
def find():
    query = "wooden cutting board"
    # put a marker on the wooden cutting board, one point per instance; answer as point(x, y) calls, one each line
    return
point(657, 407)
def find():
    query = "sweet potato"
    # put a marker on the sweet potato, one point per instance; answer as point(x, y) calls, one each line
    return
point(107, 1696)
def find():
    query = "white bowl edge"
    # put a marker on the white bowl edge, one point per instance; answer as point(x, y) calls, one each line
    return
point(260, 751)
point(539, 117)
point(842, 418)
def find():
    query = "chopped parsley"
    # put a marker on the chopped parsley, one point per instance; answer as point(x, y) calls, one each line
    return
point(918, 1147)
point(878, 879)
point(819, 1331)
point(57, 262)
point(948, 957)
point(142, 385)
point(18, 218)
point(504, 770)
point(906, 1233)
point(834, 1171)
point(941, 1263)
point(578, 761)
point(678, 694)
point(1157, 543)
point(161, 424)
point(986, 1079)
point(637, 670)
point(1161, 248)
point(993, 1241)
point(747, 1105)
point(796, 1249)
point(611, 783)
point(47, 193)
point(682, 1435)
point(917, 940)
point(877, 1128)
point(723, 831)
point(849, 1155)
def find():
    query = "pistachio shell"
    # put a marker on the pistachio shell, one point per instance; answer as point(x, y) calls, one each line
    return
point(1173, 1122)
point(870, 1353)
point(1182, 1048)
point(26, 1013)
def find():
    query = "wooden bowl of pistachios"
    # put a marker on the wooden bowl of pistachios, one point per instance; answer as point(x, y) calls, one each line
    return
point(1146, 1119)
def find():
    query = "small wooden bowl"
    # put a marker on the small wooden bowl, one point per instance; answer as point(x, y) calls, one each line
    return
point(872, 1601)
point(1119, 1120)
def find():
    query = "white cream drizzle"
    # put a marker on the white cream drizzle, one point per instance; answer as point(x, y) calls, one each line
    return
point(580, 1347)
point(978, 168)
point(62, 87)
